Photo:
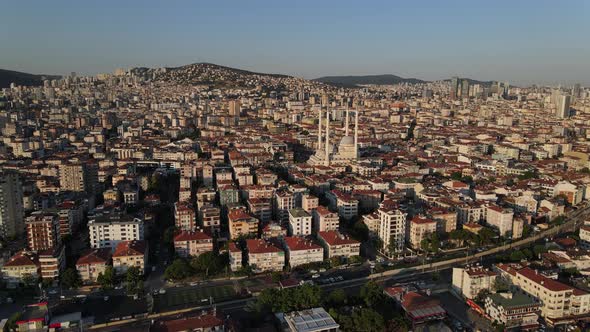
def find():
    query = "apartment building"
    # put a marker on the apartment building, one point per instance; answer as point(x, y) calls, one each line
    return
point(241, 223)
point(42, 231)
point(392, 228)
point(128, 254)
point(185, 217)
point(299, 222)
point(284, 201)
point(11, 205)
point(107, 230)
point(92, 263)
point(235, 256)
point(337, 244)
point(265, 255)
point(472, 280)
point(325, 220)
point(500, 218)
point(420, 229)
point(192, 243)
point(345, 204)
point(301, 250)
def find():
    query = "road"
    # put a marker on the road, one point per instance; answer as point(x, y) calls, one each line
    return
point(575, 220)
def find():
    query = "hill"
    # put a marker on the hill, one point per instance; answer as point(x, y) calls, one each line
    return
point(20, 78)
point(354, 81)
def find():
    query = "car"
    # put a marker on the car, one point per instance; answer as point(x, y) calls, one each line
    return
point(331, 279)
point(322, 270)
point(162, 291)
point(52, 292)
point(313, 271)
point(315, 275)
point(340, 278)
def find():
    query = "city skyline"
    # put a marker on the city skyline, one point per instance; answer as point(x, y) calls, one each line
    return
point(521, 43)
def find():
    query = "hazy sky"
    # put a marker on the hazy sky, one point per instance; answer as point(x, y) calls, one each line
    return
point(521, 41)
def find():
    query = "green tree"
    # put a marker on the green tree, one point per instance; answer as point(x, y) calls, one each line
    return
point(178, 270)
point(29, 280)
point(337, 298)
point(70, 278)
point(456, 176)
point(134, 280)
point(539, 249)
point(501, 285)
point(362, 320)
point(372, 294)
point(106, 280)
point(517, 256)
point(209, 263)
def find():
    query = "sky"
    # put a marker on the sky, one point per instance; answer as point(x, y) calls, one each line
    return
point(520, 41)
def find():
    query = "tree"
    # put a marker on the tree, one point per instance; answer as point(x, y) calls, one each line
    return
point(106, 279)
point(372, 294)
point(70, 278)
point(134, 280)
point(500, 285)
point(178, 270)
point(337, 298)
point(539, 249)
point(209, 263)
point(456, 176)
point(360, 231)
point(517, 256)
point(29, 279)
point(362, 320)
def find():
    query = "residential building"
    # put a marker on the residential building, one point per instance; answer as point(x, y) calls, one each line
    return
point(325, 220)
point(310, 320)
point(299, 222)
point(265, 255)
point(192, 243)
point(128, 254)
point(42, 231)
point(513, 310)
point(500, 218)
point(107, 230)
point(92, 263)
point(337, 244)
point(235, 256)
point(300, 250)
point(185, 217)
point(470, 281)
point(241, 223)
point(11, 205)
point(392, 229)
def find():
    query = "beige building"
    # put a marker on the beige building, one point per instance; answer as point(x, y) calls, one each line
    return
point(420, 228)
point(338, 245)
point(93, 263)
point(500, 218)
point(558, 299)
point(241, 223)
point(192, 243)
point(265, 255)
point(301, 250)
point(20, 266)
point(325, 220)
point(235, 256)
point(128, 254)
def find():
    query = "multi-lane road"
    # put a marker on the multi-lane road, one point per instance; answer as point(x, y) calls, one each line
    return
point(574, 220)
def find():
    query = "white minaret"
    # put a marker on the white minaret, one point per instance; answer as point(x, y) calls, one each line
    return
point(356, 134)
point(327, 155)
point(320, 131)
point(346, 128)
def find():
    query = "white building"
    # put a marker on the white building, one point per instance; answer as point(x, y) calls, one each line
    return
point(500, 218)
point(392, 228)
point(472, 280)
point(109, 230)
point(302, 250)
point(299, 222)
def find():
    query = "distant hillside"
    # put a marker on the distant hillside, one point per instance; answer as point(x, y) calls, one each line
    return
point(353, 81)
point(10, 76)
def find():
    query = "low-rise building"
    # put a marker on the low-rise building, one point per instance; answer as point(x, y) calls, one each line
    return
point(301, 250)
point(93, 263)
point(337, 244)
point(513, 310)
point(21, 266)
point(241, 223)
point(420, 228)
point(310, 320)
point(128, 254)
point(265, 255)
point(187, 243)
point(472, 280)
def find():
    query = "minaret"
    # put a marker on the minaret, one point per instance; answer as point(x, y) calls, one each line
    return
point(346, 128)
point(356, 134)
point(320, 131)
point(327, 155)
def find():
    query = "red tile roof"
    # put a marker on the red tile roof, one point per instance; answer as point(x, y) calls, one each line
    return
point(336, 238)
point(191, 236)
point(258, 246)
point(130, 248)
point(95, 256)
point(295, 243)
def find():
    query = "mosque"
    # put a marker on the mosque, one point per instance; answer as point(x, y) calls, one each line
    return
point(347, 150)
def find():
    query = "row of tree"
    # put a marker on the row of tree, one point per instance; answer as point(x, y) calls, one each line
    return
point(205, 265)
